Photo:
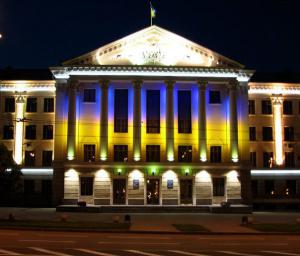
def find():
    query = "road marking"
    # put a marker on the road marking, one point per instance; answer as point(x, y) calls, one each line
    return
point(137, 243)
point(141, 237)
point(5, 252)
point(281, 253)
point(49, 251)
point(187, 253)
point(95, 252)
point(238, 253)
point(143, 253)
point(47, 241)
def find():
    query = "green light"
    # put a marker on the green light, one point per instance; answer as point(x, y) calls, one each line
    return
point(187, 171)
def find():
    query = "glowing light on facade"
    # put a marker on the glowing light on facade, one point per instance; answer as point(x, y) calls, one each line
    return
point(278, 130)
point(19, 124)
point(232, 176)
point(170, 175)
point(275, 172)
point(71, 175)
point(203, 176)
point(102, 174)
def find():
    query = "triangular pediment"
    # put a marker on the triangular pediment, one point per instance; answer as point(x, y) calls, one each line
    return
point(154, 46)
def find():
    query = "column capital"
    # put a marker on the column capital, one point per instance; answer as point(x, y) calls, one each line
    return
point(104, 83)
point(73, 84)
point(277, 99)
point(202, 84)
point(170, 83)
point(233, 85)
point(20, 99)
point(137, 83)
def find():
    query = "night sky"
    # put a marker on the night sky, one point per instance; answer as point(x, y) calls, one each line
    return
point(261, 34)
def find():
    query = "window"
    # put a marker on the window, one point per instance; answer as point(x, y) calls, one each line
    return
point(121, 111)
point(120, 153)
point(30, 132)
point(8, 132)
point(218, 186)
point(185, 154)
point(266, 107)
point(89, 153)
point(214, 97)
point(153, 111)
point(48, 105)
point(29, 187)
point(267, 159)
point(9, 104)
point(289, 133)
point(215, 154)
point(289, 159)
point(47, 158)
point(48, 132)
point(253, 159)
point(29, 158)
point(86, 186)
point(184, 112)
point(267, 133)
point(89, 95)
point(153, 153)
point(287, 107)
point(269, 187)
point(252, 133)
point(251, 107)
point(254, 188)
point(31, 105)
point(291, 188)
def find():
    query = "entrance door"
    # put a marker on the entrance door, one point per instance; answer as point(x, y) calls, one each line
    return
point(186, 191)
point(153, 191)
point(119, 191)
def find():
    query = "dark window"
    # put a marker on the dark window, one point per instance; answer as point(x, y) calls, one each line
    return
point(153, 153)
point(269, 187)
point(31, 105)
point(121, 111)
point(214, 97)
point(267, 133)
point(47, 187)
point(253, 159)
point(287, 107)
point(215, 154)
point(48, 132)
point(30, 132)
point(251, 107)
point(289, 133)
point(8, 132)
point(89, 153)
point(29, 187)
point(86, 186)
point(291, 188)
point(185, 154)
point(48, 105)
point(218, 186)
point(29, 158)
point(252, 133)
point(266, 107)
point(153, 111)
point(184, 112)
point(268, 159)
point(47, 158)
point(89, 95)
point(254, 188)
point(10, 104)
point(120, 153)
point(289, 159)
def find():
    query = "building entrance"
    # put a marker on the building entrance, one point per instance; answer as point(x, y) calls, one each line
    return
point(119, 191)
point(152, 191)
point(186, 191)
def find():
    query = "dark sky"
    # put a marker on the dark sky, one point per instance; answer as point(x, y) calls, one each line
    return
point(261, 34)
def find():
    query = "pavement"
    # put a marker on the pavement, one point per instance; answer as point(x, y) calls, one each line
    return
point(158, 222)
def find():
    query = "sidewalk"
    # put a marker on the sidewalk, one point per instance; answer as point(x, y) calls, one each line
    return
point(158, 222)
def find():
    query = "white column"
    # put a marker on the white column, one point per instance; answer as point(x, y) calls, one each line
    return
point(202, 120)
point(71, 143)
point(19, 129)
point(137, 121)
point(170, 121)
point(104, 121)
point(278, 129)
point(234, 151)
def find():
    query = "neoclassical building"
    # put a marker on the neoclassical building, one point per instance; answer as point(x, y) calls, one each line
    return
point(152, 119)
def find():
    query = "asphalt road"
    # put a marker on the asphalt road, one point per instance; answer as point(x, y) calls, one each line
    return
point(116, 244)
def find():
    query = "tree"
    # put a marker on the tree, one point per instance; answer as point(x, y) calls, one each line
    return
point(10, 176)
